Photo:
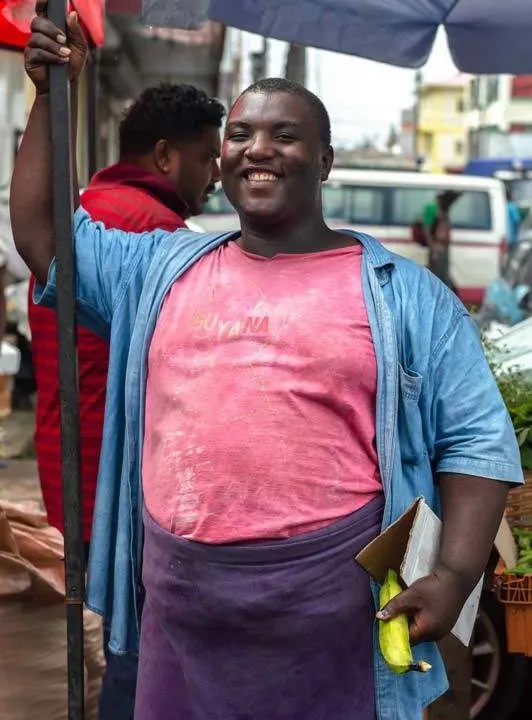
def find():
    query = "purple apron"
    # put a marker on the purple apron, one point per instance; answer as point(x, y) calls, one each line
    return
point(279, 630)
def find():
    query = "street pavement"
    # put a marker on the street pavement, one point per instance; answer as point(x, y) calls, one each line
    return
point(19, 481)
point(19, 478)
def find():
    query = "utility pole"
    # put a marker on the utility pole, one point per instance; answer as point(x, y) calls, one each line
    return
point(418, 82)
point(259, 62)
point(265, 55)
point(237, 70)
point(296, 64)
point(230, 81)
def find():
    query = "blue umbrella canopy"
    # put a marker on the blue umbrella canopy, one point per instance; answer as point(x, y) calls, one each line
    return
point(484, 36)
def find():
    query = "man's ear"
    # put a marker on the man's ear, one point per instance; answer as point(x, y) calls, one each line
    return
point(162, 156)
point(327, 163)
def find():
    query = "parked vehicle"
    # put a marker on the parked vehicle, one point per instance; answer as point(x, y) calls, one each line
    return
point(387, 203)
point(516, 173)
point(508, 300)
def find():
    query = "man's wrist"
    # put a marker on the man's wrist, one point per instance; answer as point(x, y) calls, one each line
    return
point(463, 579)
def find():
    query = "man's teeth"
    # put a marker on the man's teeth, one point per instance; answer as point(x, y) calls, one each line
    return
point(262, 176)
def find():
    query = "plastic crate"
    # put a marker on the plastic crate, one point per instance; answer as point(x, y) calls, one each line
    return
point(515, 593)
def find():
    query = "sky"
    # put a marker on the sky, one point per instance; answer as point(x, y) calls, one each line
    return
point(372, 99)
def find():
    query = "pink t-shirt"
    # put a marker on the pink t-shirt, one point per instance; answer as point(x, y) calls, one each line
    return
point(260, 406)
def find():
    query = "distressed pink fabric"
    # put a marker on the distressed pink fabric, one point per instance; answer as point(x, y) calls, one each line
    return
point(260, 409)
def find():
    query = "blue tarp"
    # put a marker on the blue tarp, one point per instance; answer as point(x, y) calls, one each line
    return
point(485, 36)
point(487, 167)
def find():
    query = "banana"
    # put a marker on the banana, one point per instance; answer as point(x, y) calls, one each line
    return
point(394, 637)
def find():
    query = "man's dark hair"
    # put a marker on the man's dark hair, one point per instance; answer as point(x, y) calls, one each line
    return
point(167, 112)
point(271, 86)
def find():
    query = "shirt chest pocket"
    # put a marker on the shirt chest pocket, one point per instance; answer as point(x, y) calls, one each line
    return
point(410, 427)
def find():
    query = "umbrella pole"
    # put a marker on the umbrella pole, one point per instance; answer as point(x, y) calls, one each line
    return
point(68, 374)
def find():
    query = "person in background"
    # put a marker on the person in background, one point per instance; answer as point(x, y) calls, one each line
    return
point(169, 148)
point(437, 228)
point(513, 219)
point(277, 396)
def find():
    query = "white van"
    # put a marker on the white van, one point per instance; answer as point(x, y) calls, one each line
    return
point(385, 204)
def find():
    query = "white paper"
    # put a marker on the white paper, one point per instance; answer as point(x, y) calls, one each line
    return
point(420, 558)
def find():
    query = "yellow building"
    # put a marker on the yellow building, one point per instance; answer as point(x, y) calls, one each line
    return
point(441, 134)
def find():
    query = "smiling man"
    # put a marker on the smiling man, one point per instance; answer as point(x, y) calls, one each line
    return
point(278, 395)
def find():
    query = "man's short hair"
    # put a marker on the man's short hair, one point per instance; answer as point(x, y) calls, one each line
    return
point(271, 86)
point(167, 112)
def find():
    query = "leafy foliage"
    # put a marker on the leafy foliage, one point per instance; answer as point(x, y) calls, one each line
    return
point(516, 390)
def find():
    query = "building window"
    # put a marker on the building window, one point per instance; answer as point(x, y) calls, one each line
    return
point(492, 93)
point(367, 205)
point(474, 94)
point(335, 201)
point(352, 204)
point(470, 211)
point(473, 144)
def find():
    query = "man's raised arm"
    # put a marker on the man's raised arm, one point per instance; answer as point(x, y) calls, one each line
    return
point(31, 185)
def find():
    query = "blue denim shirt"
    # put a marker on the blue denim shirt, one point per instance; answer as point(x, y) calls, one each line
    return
point(438, 407)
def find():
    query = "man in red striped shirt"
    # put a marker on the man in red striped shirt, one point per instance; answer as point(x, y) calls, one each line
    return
point(169, 149)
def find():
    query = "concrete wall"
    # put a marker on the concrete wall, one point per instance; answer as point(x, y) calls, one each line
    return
point(498, 113)
point(494, 116)
point(495, 143)
point(158, 55)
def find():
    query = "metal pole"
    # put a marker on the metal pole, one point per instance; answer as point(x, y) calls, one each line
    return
point(93, 104)
point(236, 88)
point(418, 81)
point(265, 56)
point(68, 374)
point(296, 63)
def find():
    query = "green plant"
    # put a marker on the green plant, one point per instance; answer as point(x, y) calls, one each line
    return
point(516, 391)
point(522, 420)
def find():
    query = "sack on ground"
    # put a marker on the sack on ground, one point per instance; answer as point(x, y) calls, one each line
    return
point(33, 644)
